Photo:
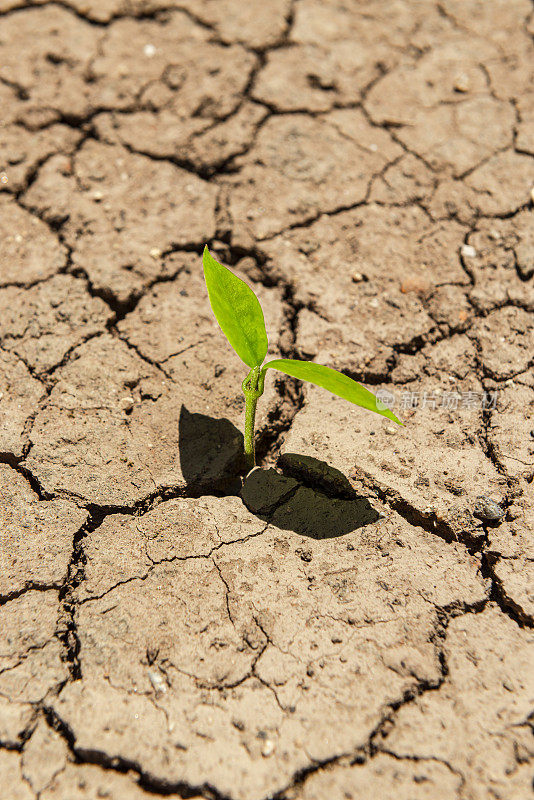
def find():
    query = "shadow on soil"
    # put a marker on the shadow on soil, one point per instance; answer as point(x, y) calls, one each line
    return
point(310, 498)
point(210, 450)
point(309, 510)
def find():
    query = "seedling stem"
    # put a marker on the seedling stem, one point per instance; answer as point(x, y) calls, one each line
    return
point(253, 389)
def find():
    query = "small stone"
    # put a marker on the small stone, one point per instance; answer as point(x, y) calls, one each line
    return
point(468, 251)
point(3, 177)
point(461, 83)
point(127, 403)
point(157, 682)
point(97, 195)
point(416, 285)
point(390, 431)
point(149, 50)
point(155, 252)
point(357, 277)
point(488, 509)
point(514, 512)
point(308, 246)
point(268, 748)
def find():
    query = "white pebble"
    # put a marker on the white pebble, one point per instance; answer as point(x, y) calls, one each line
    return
point(268, 748)
point(157, 681)
point(149, 50)
point(468, 251)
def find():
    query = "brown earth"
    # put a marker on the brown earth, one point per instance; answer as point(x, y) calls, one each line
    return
point(350, 622)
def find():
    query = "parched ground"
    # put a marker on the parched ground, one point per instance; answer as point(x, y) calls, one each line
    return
point(356, 620)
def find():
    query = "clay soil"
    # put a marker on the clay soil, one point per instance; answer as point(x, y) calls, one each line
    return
point(352, 620)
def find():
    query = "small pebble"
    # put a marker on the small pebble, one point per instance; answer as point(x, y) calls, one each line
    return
point(127, 403)
point(488, 509)
point(390, 431)
point(308, 246)
point(149, 50)
point(155, 252)
point(468, 251)
point(357, 277)
point(514, 512)
point(268, 748)
point(97, 195)
point(461, 83)
point(3, 178)
point(157, 682)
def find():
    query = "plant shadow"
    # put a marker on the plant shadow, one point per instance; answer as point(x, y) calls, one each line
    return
point(309, 510)
point(308, 496)
point(210, 451)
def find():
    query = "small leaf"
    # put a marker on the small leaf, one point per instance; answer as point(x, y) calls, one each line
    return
point(334, 381)
point(237, 310)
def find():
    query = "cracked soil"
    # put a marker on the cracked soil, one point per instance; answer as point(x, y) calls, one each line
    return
point(346, 623)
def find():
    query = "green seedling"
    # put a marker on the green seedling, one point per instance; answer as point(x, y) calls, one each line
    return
point(240, 317)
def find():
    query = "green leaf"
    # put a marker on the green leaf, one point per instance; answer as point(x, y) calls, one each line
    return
point(237, 310)
point(334, 381)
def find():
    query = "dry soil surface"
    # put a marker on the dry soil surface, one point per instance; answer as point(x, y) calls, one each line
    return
point(356, 619)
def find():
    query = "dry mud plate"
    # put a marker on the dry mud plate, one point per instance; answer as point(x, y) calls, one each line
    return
point(355, 620)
